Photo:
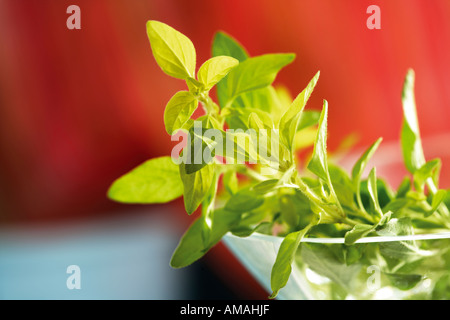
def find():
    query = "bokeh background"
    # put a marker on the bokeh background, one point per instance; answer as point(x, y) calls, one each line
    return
point(78, 108)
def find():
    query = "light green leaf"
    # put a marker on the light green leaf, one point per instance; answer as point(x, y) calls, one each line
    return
point(404, 187)
point(282, 268)
point(265, 99)
point(201, 144)
point(155, 181)
point(196, 149)
point(358, 170)
point(410, 135)
point(255, 73)
point(266, 186)
point(214, 69)
point(342, 185)
point(289, 122)
point(360, 165)
point(231, 182)
point(247, 230)
point(438, 198)
point(238, 117)
point(373, 191)
point(318, 163)
point(441, 290)
point(173, 51)
point(308, 118)
point(255, 123)
point(288, 210)
point(195, 87)
point(430, 170)
point(244, 200)
point(192, 247)
point(179, 110)
point(196, 186)
point(359, 231)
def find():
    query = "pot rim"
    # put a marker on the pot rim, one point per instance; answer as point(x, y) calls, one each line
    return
point(373, 239)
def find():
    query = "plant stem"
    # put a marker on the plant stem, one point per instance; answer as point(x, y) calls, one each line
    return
point(251, 173)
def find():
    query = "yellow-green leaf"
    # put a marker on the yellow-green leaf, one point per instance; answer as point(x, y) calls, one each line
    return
point(214, 69)
point(196, 186)
point(282, 268)
point(155, 181)
point(410, 135)
point(173, 51)
point(289, 122)
point(255, 73)
point(179, 110)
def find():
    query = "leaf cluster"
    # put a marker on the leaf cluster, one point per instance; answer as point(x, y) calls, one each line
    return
point(323, 200)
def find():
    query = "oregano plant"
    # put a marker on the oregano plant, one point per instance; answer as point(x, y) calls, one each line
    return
point(238, 162)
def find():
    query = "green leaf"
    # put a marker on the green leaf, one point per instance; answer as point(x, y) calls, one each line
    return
point(410, 135)
point(196, 186)
point(179, 110)
point(282, 268)
point(308, 118)
point(155, 181)
point(246, 231)
point(265, 186)
point(354, 253)
point(399, 251)
point(289, 122)
point(225, 45)
point(244, 200)
point(404, 281)
point(404, 187)
point(320, 259)
point(238, 117)
point(430, 170)
point(202, 143)
point(318, 163)
point(194, 159)
point(255, 123)
point(245, 146)
point(358, 170)
point(231, 182)
point(359, 231)
point(438, 198)
point(397, 205)
point(441, 290)
point(373, 191)
point(192, 247)
point(255, 73)
point(195, 87)
point(214, 69)
point(173, 51)
point(265, 99)
point(342, 185)
point(288, 211)
point(360, 165)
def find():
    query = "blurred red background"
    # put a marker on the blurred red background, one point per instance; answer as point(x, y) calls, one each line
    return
point(81, 107)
